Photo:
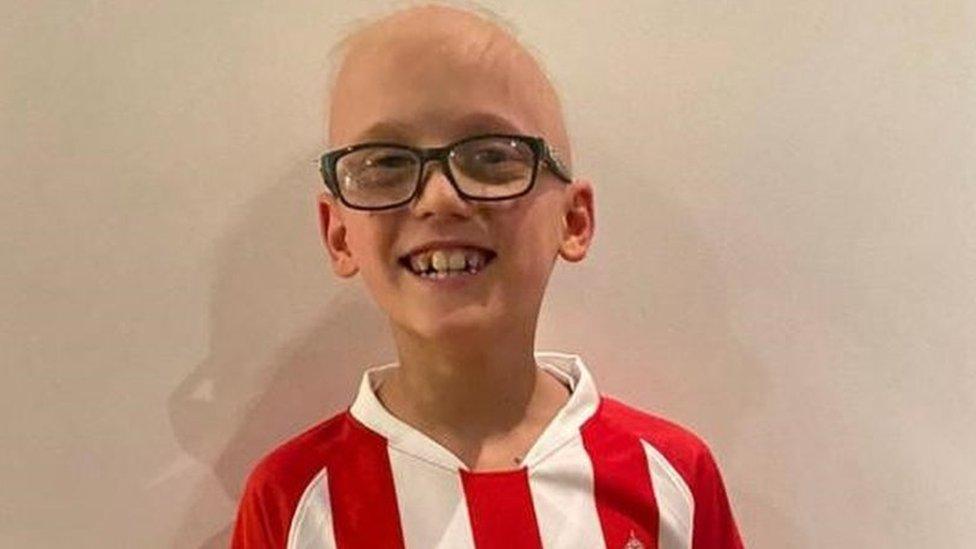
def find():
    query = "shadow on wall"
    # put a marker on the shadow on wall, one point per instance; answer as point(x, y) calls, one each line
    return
point(265, 271)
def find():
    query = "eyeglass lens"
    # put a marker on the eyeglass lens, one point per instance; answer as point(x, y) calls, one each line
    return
point(485, 168)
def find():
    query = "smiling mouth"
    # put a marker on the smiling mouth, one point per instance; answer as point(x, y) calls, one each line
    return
point(441, 264)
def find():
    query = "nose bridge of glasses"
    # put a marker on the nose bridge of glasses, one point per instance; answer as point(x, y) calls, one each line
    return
point(439, 156)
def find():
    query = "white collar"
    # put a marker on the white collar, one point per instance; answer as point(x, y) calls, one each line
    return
point(582, 403)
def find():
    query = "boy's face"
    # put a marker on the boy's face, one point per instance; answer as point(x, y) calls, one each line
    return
point(421, 90)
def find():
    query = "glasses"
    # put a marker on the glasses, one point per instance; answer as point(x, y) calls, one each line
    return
point(378, 176)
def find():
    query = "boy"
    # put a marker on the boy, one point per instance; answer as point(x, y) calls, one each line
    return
point(450, 191)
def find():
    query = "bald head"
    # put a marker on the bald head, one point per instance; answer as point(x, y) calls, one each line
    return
point(433, 73)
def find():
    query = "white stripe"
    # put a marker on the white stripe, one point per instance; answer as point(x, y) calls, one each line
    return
point(433, 511)
point(676, 506)
point(562, 494)
point(311, 526)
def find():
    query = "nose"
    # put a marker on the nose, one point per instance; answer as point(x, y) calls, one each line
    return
point(437, 196)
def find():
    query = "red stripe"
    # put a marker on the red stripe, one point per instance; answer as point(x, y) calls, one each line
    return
point(363, 497)
point(501, 511)
point(621, 486)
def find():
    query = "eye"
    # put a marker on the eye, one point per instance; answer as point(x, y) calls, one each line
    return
point(388, 161)
point(493, 161)
point(376, 167)
point(495, 153)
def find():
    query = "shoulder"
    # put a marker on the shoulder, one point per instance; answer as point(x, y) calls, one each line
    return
point(278, 481)
point(667, 434)
point(686, 473)
point(302, 455)
point(664, 439)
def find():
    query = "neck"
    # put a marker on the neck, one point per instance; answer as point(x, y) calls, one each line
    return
point(471, 390)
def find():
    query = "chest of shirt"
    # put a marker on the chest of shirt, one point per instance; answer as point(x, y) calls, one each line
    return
point(595, 493)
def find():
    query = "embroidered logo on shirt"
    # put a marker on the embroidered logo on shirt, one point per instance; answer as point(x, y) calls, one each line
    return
point(633, 542)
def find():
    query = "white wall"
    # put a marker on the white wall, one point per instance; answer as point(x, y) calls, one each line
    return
point(785, 258)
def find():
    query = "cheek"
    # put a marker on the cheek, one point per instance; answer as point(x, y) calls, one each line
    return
point(537, 231)
point(382, 284)
point(371, 246)
point(533, 246)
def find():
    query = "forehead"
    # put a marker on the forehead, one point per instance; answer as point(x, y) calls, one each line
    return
point(428, 85)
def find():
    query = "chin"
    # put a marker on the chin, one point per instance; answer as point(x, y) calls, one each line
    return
point(458, 324)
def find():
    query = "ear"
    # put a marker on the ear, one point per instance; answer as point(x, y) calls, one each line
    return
point(579, 222)
point(334, 236)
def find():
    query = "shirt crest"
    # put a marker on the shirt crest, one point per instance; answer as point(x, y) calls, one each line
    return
point(633, 542)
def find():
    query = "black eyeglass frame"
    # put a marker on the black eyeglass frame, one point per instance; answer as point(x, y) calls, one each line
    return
point(543, 152)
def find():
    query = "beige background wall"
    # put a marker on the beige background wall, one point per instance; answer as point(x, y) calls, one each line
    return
point(785, 258)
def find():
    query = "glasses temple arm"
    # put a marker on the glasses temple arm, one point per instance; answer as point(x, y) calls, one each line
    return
point(556, 163)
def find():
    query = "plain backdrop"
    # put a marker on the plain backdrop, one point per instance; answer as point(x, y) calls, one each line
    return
point(785, 256)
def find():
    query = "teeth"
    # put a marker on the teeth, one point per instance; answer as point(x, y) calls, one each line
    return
point(439, 260)
point(456, 261)
point(420, 262)
point(474, 260)
point(448, 260)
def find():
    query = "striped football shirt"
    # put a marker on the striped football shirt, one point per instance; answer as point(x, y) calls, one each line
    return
point(601, 475)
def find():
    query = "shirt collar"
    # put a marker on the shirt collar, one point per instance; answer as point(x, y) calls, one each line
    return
point(582, 403)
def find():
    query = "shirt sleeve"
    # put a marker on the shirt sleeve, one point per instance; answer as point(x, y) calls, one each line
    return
point(714, 523)
point(262, 521)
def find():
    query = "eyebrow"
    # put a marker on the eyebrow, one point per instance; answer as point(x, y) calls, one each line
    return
point(386, 130)
point(469, 124)
point(489, 122)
